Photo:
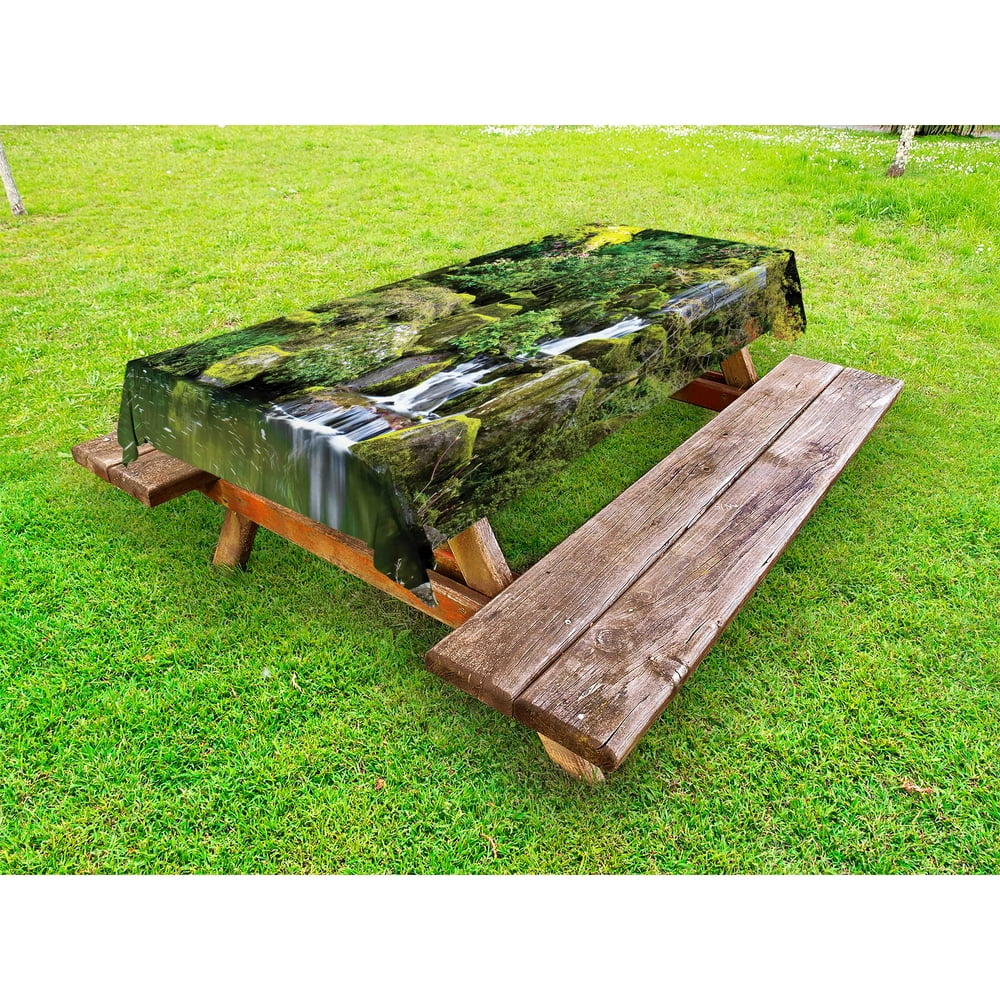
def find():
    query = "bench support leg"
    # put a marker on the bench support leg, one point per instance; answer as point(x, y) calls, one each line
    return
point(456, 603)
point(571, 762)
point(716, 390)
point(235, 541)
point(738, 369)
point(481, 560)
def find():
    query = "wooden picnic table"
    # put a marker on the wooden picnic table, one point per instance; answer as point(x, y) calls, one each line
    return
point(377, 430)
point(402, 415)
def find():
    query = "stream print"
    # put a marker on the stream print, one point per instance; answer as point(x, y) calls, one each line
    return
point(403, 414)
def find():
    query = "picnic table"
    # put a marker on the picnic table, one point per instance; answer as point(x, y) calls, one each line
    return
point(402, 415)
point(380, 430)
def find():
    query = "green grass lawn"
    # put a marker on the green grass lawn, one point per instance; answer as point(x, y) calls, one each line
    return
point(159, 716)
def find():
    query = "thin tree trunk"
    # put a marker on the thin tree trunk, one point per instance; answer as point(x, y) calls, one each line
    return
point(898, 165)
point(13, 195)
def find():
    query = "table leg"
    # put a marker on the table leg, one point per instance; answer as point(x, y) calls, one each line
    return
point(481, 560)
point(716, 390)
point(739, 369)
point(235, 541)
point(572, 763)
point(456, 603)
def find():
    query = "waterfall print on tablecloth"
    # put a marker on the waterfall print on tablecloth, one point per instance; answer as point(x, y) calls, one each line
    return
point(403, 414)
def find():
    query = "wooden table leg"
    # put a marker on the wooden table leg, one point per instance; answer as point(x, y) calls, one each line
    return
point(481, 560)
point(715, 390)
point(739, 369)
point(572, 763)
point(235, 540)
point(456, 603)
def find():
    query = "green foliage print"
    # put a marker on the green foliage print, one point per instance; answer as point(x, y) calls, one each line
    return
point(513, 336)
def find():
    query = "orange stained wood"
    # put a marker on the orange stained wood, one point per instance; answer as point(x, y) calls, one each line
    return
point(455, 603)
point(235, 541)
point(709, 391)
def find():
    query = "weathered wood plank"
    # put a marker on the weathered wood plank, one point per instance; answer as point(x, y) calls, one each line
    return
point(515, 637)
point(455, 602)
point(604, 691)
point(155, 478)
point(739, 370)
point(100, 454)
point(481, 559)
point(235, 540)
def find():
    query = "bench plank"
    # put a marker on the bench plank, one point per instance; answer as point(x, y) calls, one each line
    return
point(607, 689)
point(100, 454)
point(155, 478)
point(500, 651)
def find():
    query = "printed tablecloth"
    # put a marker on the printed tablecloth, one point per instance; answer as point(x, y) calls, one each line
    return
point(403, 414)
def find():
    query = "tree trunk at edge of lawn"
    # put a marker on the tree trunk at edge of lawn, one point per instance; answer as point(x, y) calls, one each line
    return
point(13, 195)
point(898, 165)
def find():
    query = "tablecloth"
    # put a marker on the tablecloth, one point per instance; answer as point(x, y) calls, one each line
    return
point(403, 414)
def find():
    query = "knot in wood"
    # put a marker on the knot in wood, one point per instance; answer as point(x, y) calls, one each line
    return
point(611, 639)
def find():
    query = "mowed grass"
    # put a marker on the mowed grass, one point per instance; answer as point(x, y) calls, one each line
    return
point(159, 716)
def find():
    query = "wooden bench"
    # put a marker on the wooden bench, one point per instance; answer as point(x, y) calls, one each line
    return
point(589, 645)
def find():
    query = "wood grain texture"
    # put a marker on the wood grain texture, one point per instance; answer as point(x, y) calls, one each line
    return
point(571, 763)
point(481, 560)
point(100, 454)
point(155, 478)
point(604, 691)
point(235, 541)
point(455, 602)
point(739, 370)
point(520, 632)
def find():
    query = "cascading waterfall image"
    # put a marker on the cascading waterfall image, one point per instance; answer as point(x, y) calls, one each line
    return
point(403, 414)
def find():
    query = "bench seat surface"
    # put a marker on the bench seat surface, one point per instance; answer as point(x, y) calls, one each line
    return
point(591, 643)
point(153, 478)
